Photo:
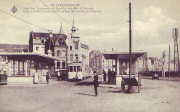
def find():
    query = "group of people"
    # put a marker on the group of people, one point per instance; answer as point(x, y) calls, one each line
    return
point(111, 76)
point(111, 79)
point(62, 75)
point(36, 77)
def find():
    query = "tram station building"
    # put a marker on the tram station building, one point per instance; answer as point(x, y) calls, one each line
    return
point(121, 65)
point(23, 65)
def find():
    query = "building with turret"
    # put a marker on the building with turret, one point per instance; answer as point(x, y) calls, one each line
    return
point(77, 55)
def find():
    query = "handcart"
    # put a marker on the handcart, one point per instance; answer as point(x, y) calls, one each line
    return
point(130, 82)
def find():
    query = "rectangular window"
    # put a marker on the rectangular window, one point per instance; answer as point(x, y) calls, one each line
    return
point(78, 68)
point(63, 53)
point(71, 57)
point(70, 69)
point(76, 55)
point(58, 53)
point(37, 48)
point(63, 65)
point(32, 64)
point(74, 68)
point(70, 47)
point(58, 65)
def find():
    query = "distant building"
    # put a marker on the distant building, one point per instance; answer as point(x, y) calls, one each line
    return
point(154, 64)
point(142, 63)
point(97, 61)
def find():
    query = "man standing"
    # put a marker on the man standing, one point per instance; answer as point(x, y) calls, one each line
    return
point(95, 82)
point(113, 76)
point(104, 75)
point(109, 76)
point(36, 78)
point(62, 75)
point(47, 77)
point(58, 75)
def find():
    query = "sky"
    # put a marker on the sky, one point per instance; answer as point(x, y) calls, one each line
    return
point(105, 28)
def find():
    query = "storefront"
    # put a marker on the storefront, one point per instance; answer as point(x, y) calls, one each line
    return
point(23, 65)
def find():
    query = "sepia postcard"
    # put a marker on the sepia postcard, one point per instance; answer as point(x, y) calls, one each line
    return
point(89, 56)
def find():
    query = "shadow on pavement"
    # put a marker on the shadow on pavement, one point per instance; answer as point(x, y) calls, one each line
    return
point(84, 83)
point(84, 94)
point(116, 91)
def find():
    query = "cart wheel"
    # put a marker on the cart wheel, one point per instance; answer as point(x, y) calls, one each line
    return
point(122, 86)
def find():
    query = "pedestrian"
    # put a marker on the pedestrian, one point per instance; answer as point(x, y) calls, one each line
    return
point(109, 76)
point(66, 75)
point(62, 75)
point(113, 76)
point(47, 77)
point(104, 75)
point(36, 78)
point(58, 75)
point(95, 82)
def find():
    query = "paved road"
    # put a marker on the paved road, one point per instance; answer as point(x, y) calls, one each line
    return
point(155, 96)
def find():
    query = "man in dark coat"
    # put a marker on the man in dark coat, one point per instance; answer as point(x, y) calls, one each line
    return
point(47, 77)
point(104, 75)
point(113, 76)
point(95, 82)
point(109, 76)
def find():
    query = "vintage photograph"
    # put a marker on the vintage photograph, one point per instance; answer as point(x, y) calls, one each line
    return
point(89, 56)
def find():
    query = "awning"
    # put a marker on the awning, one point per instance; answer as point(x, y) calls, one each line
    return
point(26, 55)
point(123, 55)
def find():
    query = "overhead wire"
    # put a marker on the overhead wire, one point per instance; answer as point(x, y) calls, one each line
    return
point(54, 12)
point(24, 20)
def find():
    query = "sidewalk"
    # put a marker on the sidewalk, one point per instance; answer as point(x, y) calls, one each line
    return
point(163, 78)
point(51, 82)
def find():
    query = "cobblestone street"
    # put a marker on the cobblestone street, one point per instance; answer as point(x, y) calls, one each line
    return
point(159, 96)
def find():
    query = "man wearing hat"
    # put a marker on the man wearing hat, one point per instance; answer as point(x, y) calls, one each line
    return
point(95, 82)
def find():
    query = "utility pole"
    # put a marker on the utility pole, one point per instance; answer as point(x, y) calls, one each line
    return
point(176, 53)
point(112, 59)
point(129, 39)
point(169, 62)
